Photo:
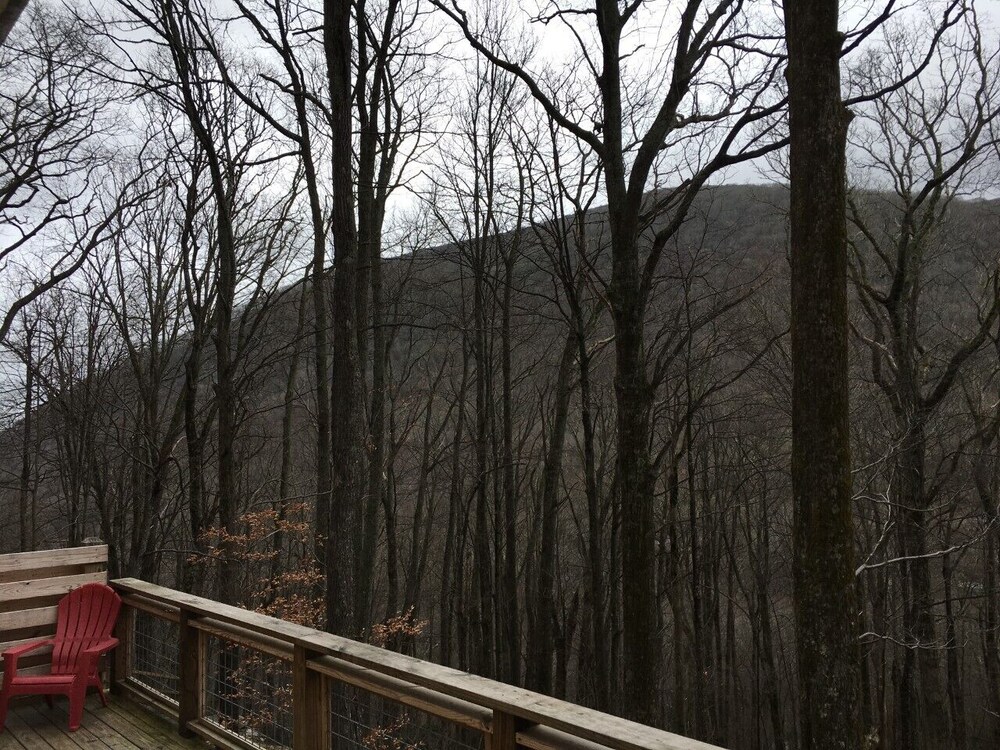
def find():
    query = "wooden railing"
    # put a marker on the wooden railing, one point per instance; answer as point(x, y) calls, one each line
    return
point(503, 717)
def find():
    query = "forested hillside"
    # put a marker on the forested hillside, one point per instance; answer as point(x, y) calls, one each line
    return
point(447, 524)
point(440, 468)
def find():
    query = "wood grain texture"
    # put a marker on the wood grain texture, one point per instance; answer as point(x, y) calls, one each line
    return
point(123, 725)
point(124, 632)
point(310, 705)
point(456, 711)
point(503, 735)
point(53, 558)
point(27, 618)
point(275, 647)
point(192, 675)
point(171, 614)
point(39, 588)
point(546, 738)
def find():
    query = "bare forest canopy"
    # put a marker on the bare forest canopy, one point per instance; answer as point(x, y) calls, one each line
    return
point(519, 400)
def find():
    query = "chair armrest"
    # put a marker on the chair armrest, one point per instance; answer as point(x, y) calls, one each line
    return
point(25, 648)
point(11, 655)
point(99, 648)
point(87, 664)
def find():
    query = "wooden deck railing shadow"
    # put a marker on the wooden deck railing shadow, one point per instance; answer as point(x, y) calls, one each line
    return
point(248, 681)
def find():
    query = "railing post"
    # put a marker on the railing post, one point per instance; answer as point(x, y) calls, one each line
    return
point(504, 732)
point(310, 705)
point(121, 667)
point(191, 692)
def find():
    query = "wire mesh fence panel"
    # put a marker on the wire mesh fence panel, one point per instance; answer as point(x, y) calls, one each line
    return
point(363, 721)
point(249, 694)
point(155, 654)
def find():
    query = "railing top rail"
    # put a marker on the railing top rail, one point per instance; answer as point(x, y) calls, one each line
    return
point(579, 721)
point(14, 562)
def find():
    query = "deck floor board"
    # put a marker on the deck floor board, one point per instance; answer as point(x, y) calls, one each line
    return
point(123, 725)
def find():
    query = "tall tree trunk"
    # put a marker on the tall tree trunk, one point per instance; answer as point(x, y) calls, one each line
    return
point(321, 349)
point(676, 595)
point(26, 514)
point(179, 23)
point(368, 302)
point(539, 667)
point(452, 558)
point(990, 611)
point(641, 642)
point(697, 616)
point(956, 695)
point(922, 686)
point(509, 609)
point(287, 420)
point(376, 494)
point(194, 441)
point(596, 593)
point(823, 551)
point(763, 570)
point(483, 552)
point(346, 443)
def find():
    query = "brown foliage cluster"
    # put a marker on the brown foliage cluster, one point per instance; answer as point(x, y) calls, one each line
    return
point(396, 629)
point(386, 737)
point(288, 590)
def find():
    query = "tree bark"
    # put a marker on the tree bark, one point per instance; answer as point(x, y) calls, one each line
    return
point(347, 489)
point(825, 606)
point(539, 667)
point(25, 492)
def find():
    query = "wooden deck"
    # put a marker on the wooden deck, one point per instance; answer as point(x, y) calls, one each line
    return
point(123, 725)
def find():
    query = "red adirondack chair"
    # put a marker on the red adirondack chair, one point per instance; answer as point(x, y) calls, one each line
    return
point(86, 618)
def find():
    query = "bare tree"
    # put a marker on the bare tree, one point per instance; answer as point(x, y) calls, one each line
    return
point(928, 142)
point(631, 147)
point(58, 190)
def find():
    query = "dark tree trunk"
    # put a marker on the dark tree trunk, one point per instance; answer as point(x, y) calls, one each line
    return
point(769, 665)
point(675, 594)
point(342, 514)
point(452, 559)
point(923, 723)
point(596, 593)
point(539, 667)
point(222, 192)
point(321, 333)
point(287, 419)
point(956, 695)
point(825, 592)
point(989, 611)
point(633, 395)
point(484, 570)
point(25, 511)
point(509, 610)
point(368, 290)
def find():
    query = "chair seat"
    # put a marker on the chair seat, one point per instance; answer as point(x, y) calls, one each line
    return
point(49, 680)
